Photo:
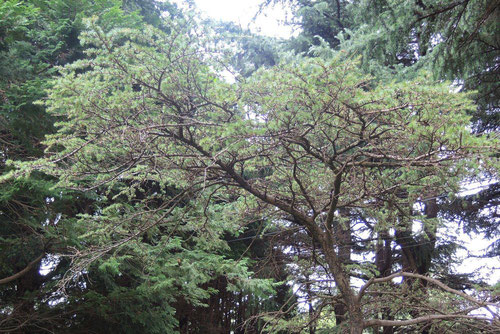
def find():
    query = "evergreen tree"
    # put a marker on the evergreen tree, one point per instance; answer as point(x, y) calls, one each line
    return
point(321, 139)
point(165, 199)
point(398, 40)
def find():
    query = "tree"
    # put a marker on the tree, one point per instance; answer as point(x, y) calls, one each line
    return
point(453, 40)
point(40, 225)
point(35, 38)
point(325, 141)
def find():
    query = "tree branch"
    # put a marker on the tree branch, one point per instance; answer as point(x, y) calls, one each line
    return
point(429, 279)
point(426, 318)
point(22, 272)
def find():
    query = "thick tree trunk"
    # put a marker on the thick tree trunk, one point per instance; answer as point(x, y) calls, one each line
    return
point(417, 253)
point(342, 280)
point(356, 320)
point(343, 236)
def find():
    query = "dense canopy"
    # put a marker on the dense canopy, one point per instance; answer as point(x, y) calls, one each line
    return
point(317, 190)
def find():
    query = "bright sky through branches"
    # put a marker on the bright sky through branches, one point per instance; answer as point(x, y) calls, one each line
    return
point(271, 22)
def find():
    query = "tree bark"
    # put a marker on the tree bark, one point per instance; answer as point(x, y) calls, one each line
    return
point(22, 272)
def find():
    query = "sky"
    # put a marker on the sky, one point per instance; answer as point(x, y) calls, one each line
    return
point(269, 23)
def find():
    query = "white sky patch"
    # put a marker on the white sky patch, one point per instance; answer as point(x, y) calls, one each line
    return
point(270, 22)
point(473, 262)
point(472, 188)
point(228, 76)
point(48, 264)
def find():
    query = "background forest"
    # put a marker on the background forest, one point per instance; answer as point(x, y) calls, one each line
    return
point(161, 173)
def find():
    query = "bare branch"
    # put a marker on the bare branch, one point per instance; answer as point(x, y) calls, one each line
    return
point(22, 272)
point(426, 318)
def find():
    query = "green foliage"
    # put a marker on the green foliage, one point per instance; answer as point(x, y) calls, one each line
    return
point(154, 165)
point(36, 37)
point(455, 40)
point(150, 112)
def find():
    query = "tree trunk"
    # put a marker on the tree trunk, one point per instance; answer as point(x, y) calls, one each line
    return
point(342, 280)
point(383, 261)
point(343, 235)
point(356, 321)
